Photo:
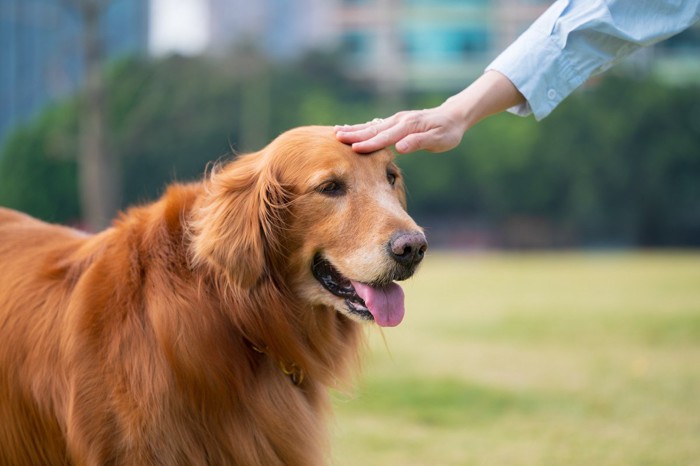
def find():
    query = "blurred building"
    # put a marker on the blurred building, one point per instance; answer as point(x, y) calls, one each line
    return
point(397, 44)
point(410, 44)
point(429, 44)
point(443, 44)
point(282, 29)
point(423, 44)
point(41, 50)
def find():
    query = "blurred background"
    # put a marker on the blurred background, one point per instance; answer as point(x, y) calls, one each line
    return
point(104, 101)
point(588, 355)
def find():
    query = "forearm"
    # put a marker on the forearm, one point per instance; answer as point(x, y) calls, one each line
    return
point(491, 93)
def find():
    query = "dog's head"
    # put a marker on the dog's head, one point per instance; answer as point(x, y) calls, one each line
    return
point(311, 213)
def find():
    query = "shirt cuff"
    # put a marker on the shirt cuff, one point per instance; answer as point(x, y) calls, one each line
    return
point(540, 70)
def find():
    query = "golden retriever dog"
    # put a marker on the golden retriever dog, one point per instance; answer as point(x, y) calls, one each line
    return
point(207, 327)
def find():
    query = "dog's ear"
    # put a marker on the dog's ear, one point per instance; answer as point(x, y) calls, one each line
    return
point(237, 224)
point(400, 187)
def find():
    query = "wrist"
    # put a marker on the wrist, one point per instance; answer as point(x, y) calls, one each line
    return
point(460, 110)
point(491, 93)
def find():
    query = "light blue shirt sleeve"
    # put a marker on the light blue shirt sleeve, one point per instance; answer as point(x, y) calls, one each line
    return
point(575, 39)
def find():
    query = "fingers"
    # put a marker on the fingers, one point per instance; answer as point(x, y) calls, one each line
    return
point(434, 140)
point(418, 141)
point(384, 138)
point(410, 143)
point(369, 137)
point(409, 131)
point(358, 126)
point(361, 132)
point(349, 134)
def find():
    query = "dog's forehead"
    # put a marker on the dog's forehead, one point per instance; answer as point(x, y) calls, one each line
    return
point(341, 161)
point(315, 152)
point(320, 142)
point(336, 153)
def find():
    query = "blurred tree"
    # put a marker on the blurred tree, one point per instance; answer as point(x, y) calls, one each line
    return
point(169, 118)
point(38, 173)
point(618, 164)
point(98, 169)
point(628, 156)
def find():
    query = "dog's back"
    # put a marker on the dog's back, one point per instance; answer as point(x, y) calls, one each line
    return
point(29, 301)
point(105, 357)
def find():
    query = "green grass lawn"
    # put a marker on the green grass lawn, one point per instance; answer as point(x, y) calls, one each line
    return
point(533, 359)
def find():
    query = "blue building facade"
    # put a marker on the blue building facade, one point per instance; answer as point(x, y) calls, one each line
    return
point(41, 51)
point(429, 44)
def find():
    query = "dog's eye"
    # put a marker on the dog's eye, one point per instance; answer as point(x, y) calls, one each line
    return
point(332, 188)
point(391, 178)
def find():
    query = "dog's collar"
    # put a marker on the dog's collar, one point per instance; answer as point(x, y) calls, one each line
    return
point(291, 370)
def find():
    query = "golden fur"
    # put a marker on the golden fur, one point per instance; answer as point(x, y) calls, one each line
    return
point(161, 340)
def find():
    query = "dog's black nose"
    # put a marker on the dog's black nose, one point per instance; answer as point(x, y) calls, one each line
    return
point(408, 248)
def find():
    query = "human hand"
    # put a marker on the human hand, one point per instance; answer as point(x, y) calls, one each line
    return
point(436, 130)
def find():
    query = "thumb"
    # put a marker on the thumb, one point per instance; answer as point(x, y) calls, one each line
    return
point(411, 143)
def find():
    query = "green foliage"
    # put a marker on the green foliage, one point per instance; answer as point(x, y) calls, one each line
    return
point(168, 119)
point(634, 150)
point(617, 163)
point(36, 174)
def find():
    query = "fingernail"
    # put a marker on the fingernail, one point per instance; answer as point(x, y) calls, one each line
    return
point(401, 146)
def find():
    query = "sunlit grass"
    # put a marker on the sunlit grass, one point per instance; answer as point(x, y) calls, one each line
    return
point(534, 359)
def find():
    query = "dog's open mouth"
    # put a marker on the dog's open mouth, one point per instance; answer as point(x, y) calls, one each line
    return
point(384, 304)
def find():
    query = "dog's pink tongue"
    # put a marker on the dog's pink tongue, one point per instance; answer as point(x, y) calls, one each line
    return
point(385, 304)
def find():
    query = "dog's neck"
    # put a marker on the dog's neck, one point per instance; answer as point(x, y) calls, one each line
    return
point(316, 344)
point(290, 369)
